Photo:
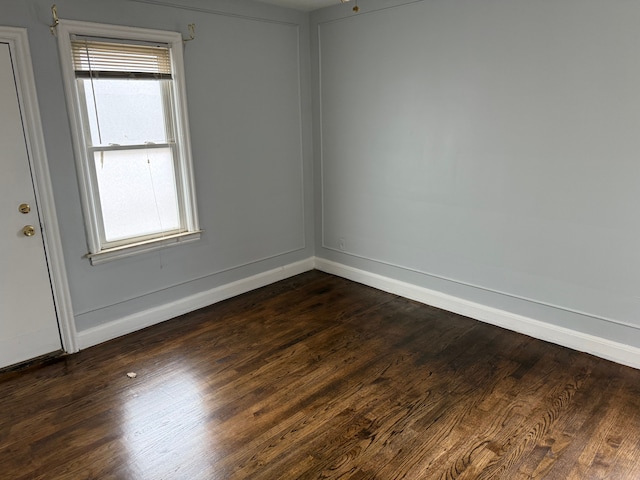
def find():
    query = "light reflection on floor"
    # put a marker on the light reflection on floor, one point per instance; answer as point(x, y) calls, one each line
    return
point(165, 429)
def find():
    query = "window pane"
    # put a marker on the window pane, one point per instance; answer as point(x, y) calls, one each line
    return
point(137, 191)
point(125, 111)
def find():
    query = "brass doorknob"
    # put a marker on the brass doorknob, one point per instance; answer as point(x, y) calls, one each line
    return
point(29, 231)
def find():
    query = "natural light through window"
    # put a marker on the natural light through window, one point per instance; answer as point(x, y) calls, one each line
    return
point(127, 113)
point(126, 92)
point(142, 177)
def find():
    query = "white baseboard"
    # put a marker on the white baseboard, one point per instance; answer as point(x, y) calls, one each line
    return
point(161, 313)
point(600, 347)
point(610, 350)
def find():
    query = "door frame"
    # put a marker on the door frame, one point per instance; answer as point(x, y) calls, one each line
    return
point(32, 124)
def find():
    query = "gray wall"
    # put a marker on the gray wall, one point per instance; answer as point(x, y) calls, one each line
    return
point(486, 149)
point(249, 110)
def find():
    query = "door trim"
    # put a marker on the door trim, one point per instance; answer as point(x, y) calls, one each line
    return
point(32, 124)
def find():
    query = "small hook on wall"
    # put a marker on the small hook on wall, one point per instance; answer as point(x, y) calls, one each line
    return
point(356, 8)
point(56, 20)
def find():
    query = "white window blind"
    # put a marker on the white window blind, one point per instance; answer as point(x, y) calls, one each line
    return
point(101, 58)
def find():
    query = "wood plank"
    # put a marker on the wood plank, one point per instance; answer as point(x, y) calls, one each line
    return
point(319, 377)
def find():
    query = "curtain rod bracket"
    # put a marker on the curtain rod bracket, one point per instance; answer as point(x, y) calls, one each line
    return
point(192, 33)
point(56, 20)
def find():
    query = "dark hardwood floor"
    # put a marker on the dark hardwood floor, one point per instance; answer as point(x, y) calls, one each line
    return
point(319, 377)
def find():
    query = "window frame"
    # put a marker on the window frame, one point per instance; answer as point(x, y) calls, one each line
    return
point(100, 250)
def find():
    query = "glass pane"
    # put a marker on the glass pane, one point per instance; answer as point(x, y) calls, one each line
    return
point(137, 191)
point(125, 112)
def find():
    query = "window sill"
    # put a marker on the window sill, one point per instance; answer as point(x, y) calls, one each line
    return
point(124, 251)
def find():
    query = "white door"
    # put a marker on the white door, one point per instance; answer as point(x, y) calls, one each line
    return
point(28, 323)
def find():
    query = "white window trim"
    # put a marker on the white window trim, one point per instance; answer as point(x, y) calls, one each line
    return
point(97, 253)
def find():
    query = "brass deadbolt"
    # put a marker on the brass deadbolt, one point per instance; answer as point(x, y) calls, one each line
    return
point(24, 208)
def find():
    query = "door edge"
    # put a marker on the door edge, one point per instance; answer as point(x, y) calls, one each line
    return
point(18, 42)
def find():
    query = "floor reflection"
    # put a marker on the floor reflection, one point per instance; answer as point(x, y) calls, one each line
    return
point(165, 428)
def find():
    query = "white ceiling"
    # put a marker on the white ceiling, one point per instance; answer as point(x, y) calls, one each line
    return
point(307, 5)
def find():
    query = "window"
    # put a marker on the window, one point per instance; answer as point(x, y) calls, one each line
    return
point(125, 94)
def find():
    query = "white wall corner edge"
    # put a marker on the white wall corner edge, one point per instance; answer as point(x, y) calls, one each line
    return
point(583, 342)
point(146, 318)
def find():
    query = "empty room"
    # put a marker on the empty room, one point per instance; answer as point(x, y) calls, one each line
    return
point(305, 239)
